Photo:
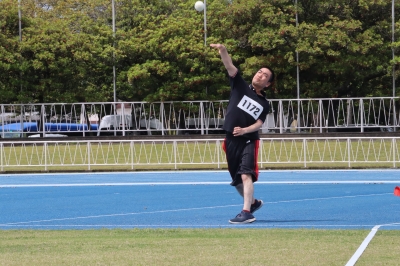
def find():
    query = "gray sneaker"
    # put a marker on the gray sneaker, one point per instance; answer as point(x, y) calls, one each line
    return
point(243, 218)
point(256, 206)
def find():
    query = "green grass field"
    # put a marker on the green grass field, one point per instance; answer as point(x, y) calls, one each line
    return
point(196, 247)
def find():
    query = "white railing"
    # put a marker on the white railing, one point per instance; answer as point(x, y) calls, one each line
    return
point(162, 153)
point(196, 117)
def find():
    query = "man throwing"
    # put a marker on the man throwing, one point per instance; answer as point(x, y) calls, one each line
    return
point(246, 113)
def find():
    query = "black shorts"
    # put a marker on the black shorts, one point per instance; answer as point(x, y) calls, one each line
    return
point(241, 155)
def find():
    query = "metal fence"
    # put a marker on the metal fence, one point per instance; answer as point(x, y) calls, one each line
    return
point(195, 117)
point(172, 153)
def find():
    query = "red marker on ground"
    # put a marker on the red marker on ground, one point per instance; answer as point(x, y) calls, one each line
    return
point(397, 191)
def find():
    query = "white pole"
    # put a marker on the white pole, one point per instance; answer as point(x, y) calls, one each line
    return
point(297, 58)
point(205, 23)
point(114, 71)
point(394, 71)
point(20, 20)
point(298, 77)
point(20, 73)
point(205, 35)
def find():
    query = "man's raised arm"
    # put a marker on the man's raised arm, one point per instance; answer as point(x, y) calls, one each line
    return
point(226, 59)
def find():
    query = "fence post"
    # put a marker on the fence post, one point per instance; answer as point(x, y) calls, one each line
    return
point(394, 116)
point(202, 118)
point(174, 144)
point(132, 154)
point(88, 151)
point(21, 121)
point(2, 121)
point(218, 147)
point(162, 118)
point(305, 153)
point(122, 122)
point(362, 114)
point(300, 122)
point(83, 119)
point(43, 120)
point(45, 154)
point(321, 110)
point(280, 115)
point(348, 151)
point(394, 152)
point(1, 156)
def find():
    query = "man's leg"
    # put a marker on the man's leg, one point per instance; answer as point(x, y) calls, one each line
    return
point(248, 191)
point(255, 204)
point(239, 189)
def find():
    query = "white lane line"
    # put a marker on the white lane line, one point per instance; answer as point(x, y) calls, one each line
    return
point(114, 184)
point(187, 209)
point(363, 246)
point(193, 183)
point(365, 243)
point(120, 214)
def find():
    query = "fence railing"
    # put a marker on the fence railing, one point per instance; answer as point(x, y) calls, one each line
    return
point(165, 153)
point(195, 117)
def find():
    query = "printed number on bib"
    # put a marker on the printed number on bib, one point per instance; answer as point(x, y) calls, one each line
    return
point(250, 106)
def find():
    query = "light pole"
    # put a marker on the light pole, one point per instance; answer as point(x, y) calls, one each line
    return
point(113, 29)
point(114, 70)
point(393, 69)
point(19, 20)
point(393, 55)
point(200, 6)
point(298, 75)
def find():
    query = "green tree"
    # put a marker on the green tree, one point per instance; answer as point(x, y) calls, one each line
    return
point(9, 51)
point(162, 52)
point(343, 46)
point(66, 52)
point(68, 48)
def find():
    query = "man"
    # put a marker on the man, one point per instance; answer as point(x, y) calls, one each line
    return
point(246, 113)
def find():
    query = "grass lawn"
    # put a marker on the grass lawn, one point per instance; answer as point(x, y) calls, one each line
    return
point(195, 247)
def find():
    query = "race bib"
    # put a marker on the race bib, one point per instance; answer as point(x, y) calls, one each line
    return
point(251, 107)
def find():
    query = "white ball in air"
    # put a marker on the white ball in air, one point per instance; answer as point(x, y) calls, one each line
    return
point(199, 6)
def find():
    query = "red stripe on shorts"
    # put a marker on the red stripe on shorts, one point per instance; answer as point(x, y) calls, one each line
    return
point(256, 145)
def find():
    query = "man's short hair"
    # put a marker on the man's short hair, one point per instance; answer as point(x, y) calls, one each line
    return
point(272, 77)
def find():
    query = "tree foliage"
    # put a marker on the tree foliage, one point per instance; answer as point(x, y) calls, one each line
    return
point(68, 48)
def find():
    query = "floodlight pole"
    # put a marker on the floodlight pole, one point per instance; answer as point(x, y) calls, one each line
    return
point(393, 70)
point(114, 71)
point(205, 24)
point(205, 36)
point(20, 72)
point(393, 56)
point(19, 20)
point(205, 63)
point(298, 75)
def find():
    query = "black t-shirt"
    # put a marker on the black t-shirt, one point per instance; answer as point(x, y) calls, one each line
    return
point(245, 107)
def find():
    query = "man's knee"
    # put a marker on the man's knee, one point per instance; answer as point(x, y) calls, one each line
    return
point(247, 178)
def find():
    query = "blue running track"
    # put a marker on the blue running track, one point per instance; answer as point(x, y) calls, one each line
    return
point(328, 199)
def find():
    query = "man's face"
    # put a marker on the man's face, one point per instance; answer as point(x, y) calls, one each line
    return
point(261, 78)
